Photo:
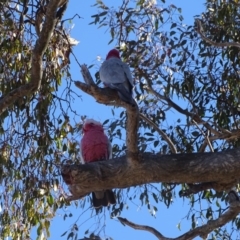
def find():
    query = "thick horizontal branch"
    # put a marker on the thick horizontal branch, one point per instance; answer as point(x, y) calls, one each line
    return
point(222, 169)
point(38, 51)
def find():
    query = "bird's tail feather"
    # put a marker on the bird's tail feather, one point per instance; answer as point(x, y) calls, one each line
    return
point(103, 198)
point(124, 92)
point(110, 196)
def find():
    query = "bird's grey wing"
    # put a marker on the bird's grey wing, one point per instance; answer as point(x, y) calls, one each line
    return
point(128, 74)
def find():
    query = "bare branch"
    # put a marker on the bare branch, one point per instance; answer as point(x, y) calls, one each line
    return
point(206, 137)
point(202, 148)
point(170, 103)
point(224, 134)
point(201, 231)
point(226, 217)
point(221, 169)
point(38, 51)
point(161, 133)
point(223, 44)
point(152, 230)
point(86, 75)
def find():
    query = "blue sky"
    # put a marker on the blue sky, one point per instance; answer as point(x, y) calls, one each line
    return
point(93, 43)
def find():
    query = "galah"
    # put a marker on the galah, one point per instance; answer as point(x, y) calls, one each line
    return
point(95, 146)
point(116, 74)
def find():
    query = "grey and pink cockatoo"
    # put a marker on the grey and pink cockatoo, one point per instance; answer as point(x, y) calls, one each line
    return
point(95, 146)
point(116, 74)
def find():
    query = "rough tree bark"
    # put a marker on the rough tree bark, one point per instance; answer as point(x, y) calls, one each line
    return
point(220, 170)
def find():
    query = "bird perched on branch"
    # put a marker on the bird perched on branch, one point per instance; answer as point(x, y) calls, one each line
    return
point(95, 146)
point(116, 74)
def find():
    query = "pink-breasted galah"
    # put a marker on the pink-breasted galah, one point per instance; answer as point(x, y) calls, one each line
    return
point(95, 146)
point(116, 74)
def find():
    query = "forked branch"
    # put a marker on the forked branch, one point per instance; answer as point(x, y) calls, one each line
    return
point(220, 169)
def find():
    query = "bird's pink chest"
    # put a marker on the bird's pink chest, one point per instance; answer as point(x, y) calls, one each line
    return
point(94, 146)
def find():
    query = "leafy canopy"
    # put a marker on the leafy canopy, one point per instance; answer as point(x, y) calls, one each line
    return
point(187, 87)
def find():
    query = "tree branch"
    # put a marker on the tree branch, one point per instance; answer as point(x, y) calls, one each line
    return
point(206, 138)
point(38, 51)
point(223, 44)
point(109, 96)
point(222, 169)
point(161, 133)
point(195, 188)
point(152, 230)
point(201, 231)
point(226, 217)
point(170, 103)
point(196, 119)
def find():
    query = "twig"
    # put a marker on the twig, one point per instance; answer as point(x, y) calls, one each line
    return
point(162, 133)
point(86, 75)
point(226, 217)
point(206, 137)
point(223, 44)
point(196, 188)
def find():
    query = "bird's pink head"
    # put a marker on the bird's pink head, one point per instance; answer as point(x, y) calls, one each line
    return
point(113, 53)
point(92, 124)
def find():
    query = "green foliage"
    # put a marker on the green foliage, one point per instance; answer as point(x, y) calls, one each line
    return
point(175, 73)
point(175, 70)
point(34, 135)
